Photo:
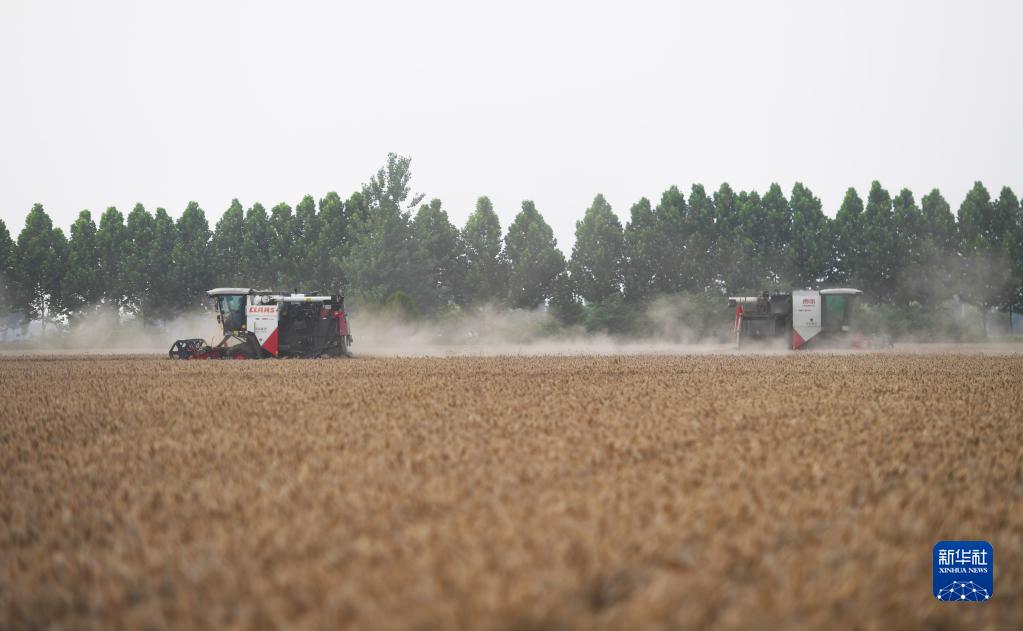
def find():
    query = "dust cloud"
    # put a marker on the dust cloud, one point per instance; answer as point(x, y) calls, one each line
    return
point(104, 330)
point(492, 330)
point(669, 326)
point(488, 330)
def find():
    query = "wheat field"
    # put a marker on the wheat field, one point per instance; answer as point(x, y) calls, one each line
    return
point(506, 492)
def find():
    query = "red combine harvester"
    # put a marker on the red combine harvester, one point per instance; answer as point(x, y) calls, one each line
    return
point(259, 324)
point(810, 319)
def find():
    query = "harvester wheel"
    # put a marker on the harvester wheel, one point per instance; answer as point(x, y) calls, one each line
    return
point(241, 353)
point(341, 350)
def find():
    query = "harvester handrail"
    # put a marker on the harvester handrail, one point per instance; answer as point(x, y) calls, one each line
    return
point(301, 298)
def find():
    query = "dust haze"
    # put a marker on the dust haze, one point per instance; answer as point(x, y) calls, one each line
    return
point(669, 325)
point(104, 330)
point(488, 330)
point(492, 330)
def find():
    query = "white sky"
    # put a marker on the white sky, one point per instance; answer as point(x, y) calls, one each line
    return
point(109, 103)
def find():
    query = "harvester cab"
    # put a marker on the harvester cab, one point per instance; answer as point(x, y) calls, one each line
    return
point(823, 317)
point(231, 311)
point(259, 324)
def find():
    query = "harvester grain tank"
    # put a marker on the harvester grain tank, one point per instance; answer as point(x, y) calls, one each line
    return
point(807, 318)
point(259, 324)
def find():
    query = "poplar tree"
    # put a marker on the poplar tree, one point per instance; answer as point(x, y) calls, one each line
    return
point(227, 246)
point(486, 275)
point(534, 257)
point(7, 254)
point(163, 278)
point(809, 248)
point(111, 239)
point(596, 263)
point(438, 260)
point(850, 249)
point(39, 267)
point(81, 286)
point(193, 271)
point(136, 267)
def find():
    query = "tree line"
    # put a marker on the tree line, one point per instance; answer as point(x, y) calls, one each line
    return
point(383, 245)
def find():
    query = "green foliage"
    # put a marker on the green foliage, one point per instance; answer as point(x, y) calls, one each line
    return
point(6, 248)
point(772, 231)
point(908, 244)
point(850, 256)
point(881, 247)
point(565, 305)
point(389, 188)
point(81, 286)
point(638, 255)
point(39, 267)
point(699, 249)
point(282, 246)
point(596, 264)
point(191, 259)
point(757, 270)
point(307, 222)
point(7, 254)
point(331, 245)
point(6, 277)
point(111, 239)
point(306, 233)
point(656, 246)
point(438, 260)
point(227, 248)
point(916, 322)
point(1016, 253)
point(257, 247)
point(610, 315)
point(1006, 230)
point(161, 302)
point(486, 273)
point(535, 259)
point(667, 241)
point(735, 253)
point(809, 248)
point(380, 260)
point(137, 264)
point(986, 246)
point(936, 261)
point(677, 259)
point(400, 305)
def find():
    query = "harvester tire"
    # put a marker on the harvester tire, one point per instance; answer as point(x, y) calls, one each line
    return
point(341, 350)
point(241, 353)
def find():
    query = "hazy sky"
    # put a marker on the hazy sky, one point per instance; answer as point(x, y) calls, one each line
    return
point(110, 103)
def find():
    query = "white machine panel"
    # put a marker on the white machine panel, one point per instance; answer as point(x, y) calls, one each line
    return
point(806, 316)
point(262, 320)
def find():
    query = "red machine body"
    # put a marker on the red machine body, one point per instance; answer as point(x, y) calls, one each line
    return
point(259, 324)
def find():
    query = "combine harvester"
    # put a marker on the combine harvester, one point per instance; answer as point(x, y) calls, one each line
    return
point(259, 324)
point(812, 319)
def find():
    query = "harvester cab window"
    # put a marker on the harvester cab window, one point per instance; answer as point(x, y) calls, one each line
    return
point(834, 312)
point(232, 312)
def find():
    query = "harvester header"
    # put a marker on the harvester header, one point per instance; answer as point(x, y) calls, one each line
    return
point(261, 323)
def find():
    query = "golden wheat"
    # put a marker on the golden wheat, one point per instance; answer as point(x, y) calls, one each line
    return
point(613, 492)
